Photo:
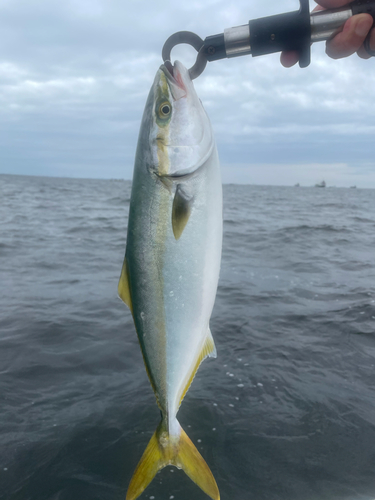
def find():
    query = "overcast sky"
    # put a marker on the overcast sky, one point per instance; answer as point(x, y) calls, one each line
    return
point(74, 77)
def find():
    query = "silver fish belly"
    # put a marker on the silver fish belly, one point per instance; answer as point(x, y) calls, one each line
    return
point(172, 262)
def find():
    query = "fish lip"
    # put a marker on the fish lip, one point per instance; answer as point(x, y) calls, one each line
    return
point(167, 69)
point(174, 79)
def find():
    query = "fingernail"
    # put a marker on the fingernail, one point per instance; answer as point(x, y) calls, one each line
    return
point(362, 28)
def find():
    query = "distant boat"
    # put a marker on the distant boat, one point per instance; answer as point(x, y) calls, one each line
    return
point(296, 185)
point(353, 187)
point(320, 184)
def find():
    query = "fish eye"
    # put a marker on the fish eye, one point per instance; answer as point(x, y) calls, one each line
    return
point(165, 109)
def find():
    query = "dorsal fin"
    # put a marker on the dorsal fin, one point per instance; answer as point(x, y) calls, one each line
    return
point(124, 286)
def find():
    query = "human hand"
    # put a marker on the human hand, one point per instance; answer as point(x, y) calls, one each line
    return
point(345, 43)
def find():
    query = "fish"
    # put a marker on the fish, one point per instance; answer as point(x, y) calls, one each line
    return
point(171, 268)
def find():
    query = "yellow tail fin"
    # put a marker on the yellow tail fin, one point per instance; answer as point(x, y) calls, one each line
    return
point(163, 450)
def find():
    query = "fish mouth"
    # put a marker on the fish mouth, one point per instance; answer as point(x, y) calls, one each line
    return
point(167, 67)
point(175, 79)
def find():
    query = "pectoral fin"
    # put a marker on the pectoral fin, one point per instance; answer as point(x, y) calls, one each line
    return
point(181, 211)
point(124, 287)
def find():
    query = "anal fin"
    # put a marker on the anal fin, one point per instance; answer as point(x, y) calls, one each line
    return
point(209, 346)
point(208, 350)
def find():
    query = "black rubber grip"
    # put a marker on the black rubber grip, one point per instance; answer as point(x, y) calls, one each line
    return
point(363, 7)
point(290, 31)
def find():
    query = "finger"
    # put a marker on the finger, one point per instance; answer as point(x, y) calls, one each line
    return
point(318, 8)
point(362, 52)
point(289, 59)
point(351, 37)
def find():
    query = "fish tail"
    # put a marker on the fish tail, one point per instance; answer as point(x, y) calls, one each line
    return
point(178, 450)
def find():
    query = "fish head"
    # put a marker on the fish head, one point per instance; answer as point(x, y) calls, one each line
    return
point(181, 137)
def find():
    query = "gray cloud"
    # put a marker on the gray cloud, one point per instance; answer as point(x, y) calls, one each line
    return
point(74, 77)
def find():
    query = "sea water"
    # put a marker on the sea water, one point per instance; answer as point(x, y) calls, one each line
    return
point(286, 411)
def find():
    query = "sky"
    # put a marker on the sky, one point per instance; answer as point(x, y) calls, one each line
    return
point(75, 75)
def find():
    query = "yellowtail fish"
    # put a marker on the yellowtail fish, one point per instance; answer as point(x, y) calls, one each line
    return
point(172, 262)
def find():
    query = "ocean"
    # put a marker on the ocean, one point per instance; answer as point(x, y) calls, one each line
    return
point(286, 411)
